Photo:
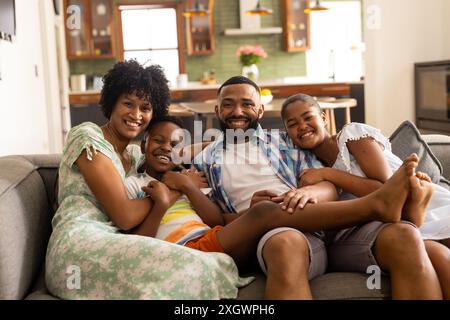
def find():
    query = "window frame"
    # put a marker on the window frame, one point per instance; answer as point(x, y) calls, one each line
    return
point(178, 7)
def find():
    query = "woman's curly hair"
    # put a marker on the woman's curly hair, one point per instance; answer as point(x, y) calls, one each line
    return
point(128, 77)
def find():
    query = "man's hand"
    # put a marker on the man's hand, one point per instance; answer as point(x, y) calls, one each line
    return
point(297, 198)
point(263, 195)
point(312, 176)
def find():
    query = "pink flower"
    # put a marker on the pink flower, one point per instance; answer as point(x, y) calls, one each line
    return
point(250, 54)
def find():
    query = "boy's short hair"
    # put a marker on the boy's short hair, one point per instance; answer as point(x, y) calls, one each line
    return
point(127, 77)
point(172, 119)
point(302, 98)
point(238, 80)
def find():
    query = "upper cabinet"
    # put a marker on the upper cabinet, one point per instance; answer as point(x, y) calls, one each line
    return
point(89, 29)
point(296, 25)
point(199, 28)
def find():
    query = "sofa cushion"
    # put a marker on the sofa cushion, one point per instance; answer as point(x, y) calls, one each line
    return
point(406, 140)
point(24, 226)
point(330, 286)
point(440, 145)
point(348, 286)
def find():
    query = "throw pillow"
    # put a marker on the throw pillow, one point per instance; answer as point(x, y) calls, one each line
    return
point(406, 140)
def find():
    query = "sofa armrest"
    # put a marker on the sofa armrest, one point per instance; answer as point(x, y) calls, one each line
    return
point(440, 146)
point(25, 224)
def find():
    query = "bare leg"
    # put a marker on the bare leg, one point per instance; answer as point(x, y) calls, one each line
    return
point(240, 237)
point(440, 258)
point(286, 255)
point(400, 250)
point(415, 206)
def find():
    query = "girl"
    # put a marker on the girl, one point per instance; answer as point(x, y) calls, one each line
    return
point(359, 160)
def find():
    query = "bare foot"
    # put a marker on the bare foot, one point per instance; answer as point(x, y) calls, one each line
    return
point(390, 198)
point(417, 201)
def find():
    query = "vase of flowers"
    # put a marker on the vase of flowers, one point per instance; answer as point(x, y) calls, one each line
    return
point(250, 56)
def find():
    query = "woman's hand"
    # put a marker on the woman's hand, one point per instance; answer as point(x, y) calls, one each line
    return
point(159, 193)
point(297, 198)
point(312, 176)
point(264, 195)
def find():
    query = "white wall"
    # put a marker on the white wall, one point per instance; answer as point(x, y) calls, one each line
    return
point(27, 103)
point(409, 31)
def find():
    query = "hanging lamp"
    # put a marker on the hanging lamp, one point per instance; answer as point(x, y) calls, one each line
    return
point(198, 10)
point(259, 10)
point(316, 7)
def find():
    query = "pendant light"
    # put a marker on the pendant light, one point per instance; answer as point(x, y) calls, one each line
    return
point(316, 7)
point(259, 10)
point(198, 10)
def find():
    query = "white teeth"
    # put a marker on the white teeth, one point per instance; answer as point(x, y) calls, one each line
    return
point(164, 158)
point(306, 134)
point(132, 124)
point(238, 123)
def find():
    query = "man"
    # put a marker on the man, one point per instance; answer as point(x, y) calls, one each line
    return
point(245, 159)
point(237, 177)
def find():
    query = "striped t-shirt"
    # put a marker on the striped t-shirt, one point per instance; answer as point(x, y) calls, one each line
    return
point(180, 223)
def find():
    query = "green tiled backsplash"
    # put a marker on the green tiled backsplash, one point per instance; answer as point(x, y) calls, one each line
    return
point(279, 63)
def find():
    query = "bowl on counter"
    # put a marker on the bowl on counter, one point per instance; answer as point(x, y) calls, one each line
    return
point(266, 99)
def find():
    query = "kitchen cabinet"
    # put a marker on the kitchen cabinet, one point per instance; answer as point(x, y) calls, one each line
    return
point(199, 29)
point(89, 29)
point(296, 25)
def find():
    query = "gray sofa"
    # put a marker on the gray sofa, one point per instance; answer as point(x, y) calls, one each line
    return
point(27, 185)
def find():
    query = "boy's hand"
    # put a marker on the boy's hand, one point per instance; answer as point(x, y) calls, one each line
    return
point(197, 177)
point(312, 176)
point(159, 192)
point(175, 180)
point(264, 195)
point(297, 198)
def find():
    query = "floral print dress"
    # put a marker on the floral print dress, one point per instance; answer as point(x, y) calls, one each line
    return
point(89, 258)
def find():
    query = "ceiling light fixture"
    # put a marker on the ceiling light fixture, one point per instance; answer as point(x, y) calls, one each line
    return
point(198, 10)
point(316, 7)
point(259, 10)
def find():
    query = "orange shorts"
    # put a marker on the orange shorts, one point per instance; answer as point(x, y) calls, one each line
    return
point(207, 242)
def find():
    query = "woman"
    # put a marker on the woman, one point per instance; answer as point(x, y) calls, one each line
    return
point(88, 257)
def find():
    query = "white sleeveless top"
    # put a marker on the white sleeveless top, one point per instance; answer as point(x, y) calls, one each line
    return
point(437, 221)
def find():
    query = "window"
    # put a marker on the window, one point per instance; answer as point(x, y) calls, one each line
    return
point(150, 35)
point(336, 42)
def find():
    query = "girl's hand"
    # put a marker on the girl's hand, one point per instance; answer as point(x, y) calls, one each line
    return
point(159, 192)
point(197, 177)
point(312, 176)
point(264, 195)
point(297, 198)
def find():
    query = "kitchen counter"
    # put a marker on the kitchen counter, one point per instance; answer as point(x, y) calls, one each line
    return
point(197, 92)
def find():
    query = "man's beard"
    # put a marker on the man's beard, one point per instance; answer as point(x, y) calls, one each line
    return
point(241, 135)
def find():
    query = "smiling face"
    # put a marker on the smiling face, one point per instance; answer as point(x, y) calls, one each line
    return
point(305, 124)
point(130, 116)
point(161, 139)
point(239, 107)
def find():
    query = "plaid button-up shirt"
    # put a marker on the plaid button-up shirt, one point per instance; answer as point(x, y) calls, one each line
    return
point(286, 161)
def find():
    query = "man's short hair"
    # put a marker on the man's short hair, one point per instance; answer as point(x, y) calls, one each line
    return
point(238, 80)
